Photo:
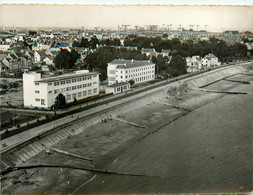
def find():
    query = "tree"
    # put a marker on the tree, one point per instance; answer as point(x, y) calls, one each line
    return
point(131, 82)
point(93, 42)
point(65, 59)
point(60, 101)
point(177, 66)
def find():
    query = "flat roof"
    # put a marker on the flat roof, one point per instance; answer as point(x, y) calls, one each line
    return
point(118, 84)
point(66, 76)
point(130, 63)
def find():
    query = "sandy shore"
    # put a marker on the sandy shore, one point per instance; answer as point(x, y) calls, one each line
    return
point(168, 152)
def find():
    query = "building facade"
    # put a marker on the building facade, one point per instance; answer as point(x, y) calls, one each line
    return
point(117, 88)
point(41, 92)
point(196, 63)
point(193, 64)
point(139, 71)
point(210, 61)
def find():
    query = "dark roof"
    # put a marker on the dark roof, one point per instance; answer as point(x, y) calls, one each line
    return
point(5, 115)
point(118, 84)
point(13, 56)
point(130, 63)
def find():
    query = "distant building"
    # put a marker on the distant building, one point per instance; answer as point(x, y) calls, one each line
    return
point(117, 88)
point(4, 47)
point(231, 34)
point(193, 64)
point(41, 92)
point(165, 52)
point(139, 71)
point(149, 52)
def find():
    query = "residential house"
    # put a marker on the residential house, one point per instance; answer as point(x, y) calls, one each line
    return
point(4, 47)
point(165, 52)
point(210, 61)
point(193, 64)
point(149, 52)
point(36, 57)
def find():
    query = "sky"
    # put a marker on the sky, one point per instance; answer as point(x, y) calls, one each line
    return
point(176, 2)
point(217, 18)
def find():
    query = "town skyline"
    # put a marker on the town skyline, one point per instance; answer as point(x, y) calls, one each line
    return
point(210, 18)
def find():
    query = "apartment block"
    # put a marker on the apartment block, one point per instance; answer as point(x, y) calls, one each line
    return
point(120, 70)
point(41, 92)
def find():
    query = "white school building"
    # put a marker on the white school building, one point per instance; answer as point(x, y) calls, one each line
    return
point(139, 71)
point(41, 92)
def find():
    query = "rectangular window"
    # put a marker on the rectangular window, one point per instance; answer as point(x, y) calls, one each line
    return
point(49, 84)
point(73, 80)
point(37, 100)
point(94, 76)
point(95, 90)
point(63, 89)
point(73, 87)
point(79, 79)
point(68, 81)
point(74, 95)
point(68, 88)
point(43, 102)
point(49, 91)
point(36, 91)
point(56, 83)
point(37, 84)
point(94, 83)
point(79, 86)
point(89, 77)
point(84, 93)
point(84, 85)
point(62, 82)
point(79, 94)
point(84, 78)
point(55, 91)
point(68, 97)
point(89, 92)
point(89, 84)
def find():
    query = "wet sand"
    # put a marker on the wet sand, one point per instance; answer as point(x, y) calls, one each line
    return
point(206, 149)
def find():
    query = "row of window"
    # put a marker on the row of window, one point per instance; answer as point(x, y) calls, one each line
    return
point(118, 89)
point(63, 82)
point(137, 69)
point(56, 91)
point(140, 79)
point(80, 94)
point(137, 74)
point(71, 96)
point(140, 69)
